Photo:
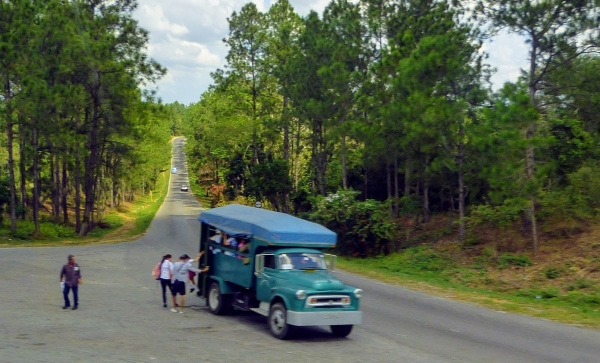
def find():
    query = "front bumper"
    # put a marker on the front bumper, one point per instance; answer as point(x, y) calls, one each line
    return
point(313, 318)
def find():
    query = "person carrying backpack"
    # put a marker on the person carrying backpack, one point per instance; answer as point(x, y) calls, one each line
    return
point(166, 273)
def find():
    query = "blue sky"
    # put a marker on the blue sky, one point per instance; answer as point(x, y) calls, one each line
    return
point(186, 37)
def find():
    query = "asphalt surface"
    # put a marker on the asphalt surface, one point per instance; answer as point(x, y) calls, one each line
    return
point(121, 318)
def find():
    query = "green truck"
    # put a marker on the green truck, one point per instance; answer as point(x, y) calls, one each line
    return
point(273, 264)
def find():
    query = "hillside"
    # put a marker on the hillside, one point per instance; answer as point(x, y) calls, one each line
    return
point(496, 268)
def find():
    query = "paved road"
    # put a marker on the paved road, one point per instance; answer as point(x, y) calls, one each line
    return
point(121, 318)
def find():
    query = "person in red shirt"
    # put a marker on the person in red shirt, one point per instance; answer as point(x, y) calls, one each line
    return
point(71, 275)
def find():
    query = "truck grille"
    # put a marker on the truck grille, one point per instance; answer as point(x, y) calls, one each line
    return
point(327, 301)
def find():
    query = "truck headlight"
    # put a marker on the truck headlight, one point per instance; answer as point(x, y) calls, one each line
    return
point(358, 293)
point(301, 294)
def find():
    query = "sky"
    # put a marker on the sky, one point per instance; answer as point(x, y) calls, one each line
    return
point(186, 37)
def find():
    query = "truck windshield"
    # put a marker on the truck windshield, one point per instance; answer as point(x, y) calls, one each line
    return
point(302, 261)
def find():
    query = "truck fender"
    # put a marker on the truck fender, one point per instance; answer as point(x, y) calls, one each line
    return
point(278, 297)
point(223, 285)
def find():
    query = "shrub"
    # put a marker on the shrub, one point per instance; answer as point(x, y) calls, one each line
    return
point(501, 215)
point(552, 272)
point(417, 259)
point(364, 228)
point(511, 259)
point(581, 298)
point(549, 293)
point(583, 284)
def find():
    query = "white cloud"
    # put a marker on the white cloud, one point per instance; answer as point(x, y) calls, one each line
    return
point(152, 17)
point(508, 53)
point(178, 51)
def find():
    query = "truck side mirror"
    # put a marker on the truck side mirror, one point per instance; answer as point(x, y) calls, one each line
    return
point(259, 263)
point(330, 261)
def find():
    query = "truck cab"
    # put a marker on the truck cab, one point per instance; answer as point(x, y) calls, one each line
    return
point(274, 264)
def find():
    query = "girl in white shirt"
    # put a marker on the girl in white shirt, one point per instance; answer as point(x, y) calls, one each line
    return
point(166, 273)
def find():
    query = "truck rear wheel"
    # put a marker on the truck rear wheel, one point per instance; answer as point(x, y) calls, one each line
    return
point(341, 330)
point(278, 325)
point(217, 302)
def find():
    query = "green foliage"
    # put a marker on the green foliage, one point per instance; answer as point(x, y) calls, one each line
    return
point(4, 195)
point(270, 179)
point(583, 299)
point(510, 259)
point(364, 228)
point(583, 284)
point(78, 83)
point(577, 201)
point(409, 205)
point(501, 215)
point(552, 272)
point(540, 293)
point(48, 231)
point(424, 258)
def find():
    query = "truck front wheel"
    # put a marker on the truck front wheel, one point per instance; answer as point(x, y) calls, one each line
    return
point(278, 321)
point(341, 330)
point(217, 302)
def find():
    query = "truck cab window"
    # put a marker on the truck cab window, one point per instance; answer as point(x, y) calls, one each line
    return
point(269, 261)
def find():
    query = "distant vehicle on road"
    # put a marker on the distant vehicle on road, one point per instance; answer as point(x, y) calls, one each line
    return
point(173, 170)
point(184, 188)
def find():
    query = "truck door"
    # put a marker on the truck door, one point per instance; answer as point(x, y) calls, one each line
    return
point(264, 268)
point(207, 259)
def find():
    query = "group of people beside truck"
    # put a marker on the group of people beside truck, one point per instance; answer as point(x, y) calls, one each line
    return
point(176, 276)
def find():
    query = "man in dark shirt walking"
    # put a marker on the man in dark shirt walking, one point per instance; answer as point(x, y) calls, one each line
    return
point(72, 279)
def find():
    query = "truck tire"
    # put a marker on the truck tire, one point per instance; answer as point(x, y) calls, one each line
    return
point(217, 302)
point(277, 321)
point(341, 331)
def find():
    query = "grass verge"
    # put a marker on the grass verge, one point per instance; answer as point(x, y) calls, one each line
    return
point(441, 281)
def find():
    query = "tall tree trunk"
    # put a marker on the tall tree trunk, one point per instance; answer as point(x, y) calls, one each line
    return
point(321, 156)
point(36, 183)
point(366, 184)
point(460, 160)
point(254, 117)
point(396, 188)
point(426, 212)
point(11, 161)
point(344, 163)
point(388, 170)
point(297, 156)
point(112, 193)
point(286, 129)
point(530, 151)
point(89, 172)
point(407, 178)
point(78, 221)
point(65, 193)
point(55, 181)
point(22, 169)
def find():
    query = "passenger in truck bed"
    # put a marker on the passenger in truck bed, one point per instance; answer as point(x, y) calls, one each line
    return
point(232, 243)
point(243, 245)
point(217, 238)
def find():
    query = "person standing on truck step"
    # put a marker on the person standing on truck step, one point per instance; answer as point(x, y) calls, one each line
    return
point(71, 273)
point(166, 274)
point(180, 277)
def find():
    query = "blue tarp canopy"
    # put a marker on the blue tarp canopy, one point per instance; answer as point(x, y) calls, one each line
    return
point(273, 227)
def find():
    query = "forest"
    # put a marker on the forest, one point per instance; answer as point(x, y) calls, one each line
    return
point(82, 130)
point(378, 116)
